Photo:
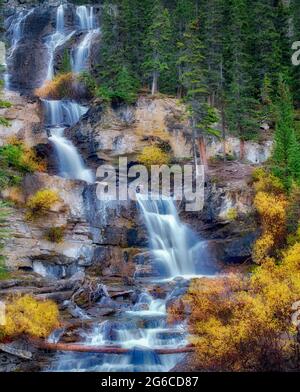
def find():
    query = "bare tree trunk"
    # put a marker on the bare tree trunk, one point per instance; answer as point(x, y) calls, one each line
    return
point(154, 83)
point(242, 149)
point(202, 150)
point(223, 132)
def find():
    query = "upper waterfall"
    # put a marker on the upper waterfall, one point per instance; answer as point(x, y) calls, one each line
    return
point(87, 22)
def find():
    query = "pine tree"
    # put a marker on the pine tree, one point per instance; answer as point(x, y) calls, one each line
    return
point(286, 156)
point(184, 13)
point(295, 6)
point(193, 80)
point(265, 42)
point(241, 103)
point(157, 44)
point(267, 111)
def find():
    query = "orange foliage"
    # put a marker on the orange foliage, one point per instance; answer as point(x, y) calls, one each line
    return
point(62, 86)
point(244, 323)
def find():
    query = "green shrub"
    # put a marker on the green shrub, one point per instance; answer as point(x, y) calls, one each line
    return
point(123, 87)
point(5, 104)
point(21, 158)
point(55, 234)
point(41, 203)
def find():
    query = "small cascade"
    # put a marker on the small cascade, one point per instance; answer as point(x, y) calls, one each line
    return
point(55, 336)
point(57, 39)
point(71, 164)
point(16, 30)
point(87, 23)
point(62, 113)
point(85, 17)
point(142, 334)
point(58, 115)
point(176, 249)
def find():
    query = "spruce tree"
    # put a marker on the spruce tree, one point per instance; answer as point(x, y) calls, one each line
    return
point(157, 44)
point(265, 43)
point(193, 80)
point(295, 7)
point(286, 155)
point(241, 105)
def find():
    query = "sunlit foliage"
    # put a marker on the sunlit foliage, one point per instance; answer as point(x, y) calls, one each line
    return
point(41, 203)
point(26, 315)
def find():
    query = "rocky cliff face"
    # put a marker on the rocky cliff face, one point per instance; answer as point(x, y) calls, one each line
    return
point(107, 237)
point(106, 133)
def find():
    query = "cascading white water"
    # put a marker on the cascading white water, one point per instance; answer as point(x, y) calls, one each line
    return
point(70, 162)
point(59, 114)
point(57, 39)
point(85, 17)
point(16, 30)
point(174, 246)
point(62, 113)
point(141, 334)
point(87, 23)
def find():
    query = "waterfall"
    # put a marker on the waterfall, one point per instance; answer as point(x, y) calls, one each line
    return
point(59, 114)
point(60, 19)
point(176, 249)
point(71, 164)
point(87, 23)
point(62, 113)
point(86, 18)
point(57, 39)
point(16, 29)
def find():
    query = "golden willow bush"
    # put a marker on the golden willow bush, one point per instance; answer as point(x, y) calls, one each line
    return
point(27, 316)
point(271, 204)
point(153, 155)
point(41, 203)
point(62, 86)
point(244, 323)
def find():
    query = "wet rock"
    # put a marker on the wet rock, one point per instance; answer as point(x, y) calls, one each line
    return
point(90, 292)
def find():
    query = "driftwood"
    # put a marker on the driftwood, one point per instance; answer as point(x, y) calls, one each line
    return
point(16, 352)
point(104, 349)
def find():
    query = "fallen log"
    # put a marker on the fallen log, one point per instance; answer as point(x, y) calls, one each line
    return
point(104, 349)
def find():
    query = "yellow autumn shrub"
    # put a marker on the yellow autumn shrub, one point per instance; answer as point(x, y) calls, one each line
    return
point(41, 203)
point(267, 182)
point(243, 323)
point(262, 247)
point(153, 155)
point(29, 316)
point(62, 86)
point(273, 216)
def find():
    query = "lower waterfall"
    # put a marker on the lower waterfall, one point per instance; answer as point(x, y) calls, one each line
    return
point(175, 247)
